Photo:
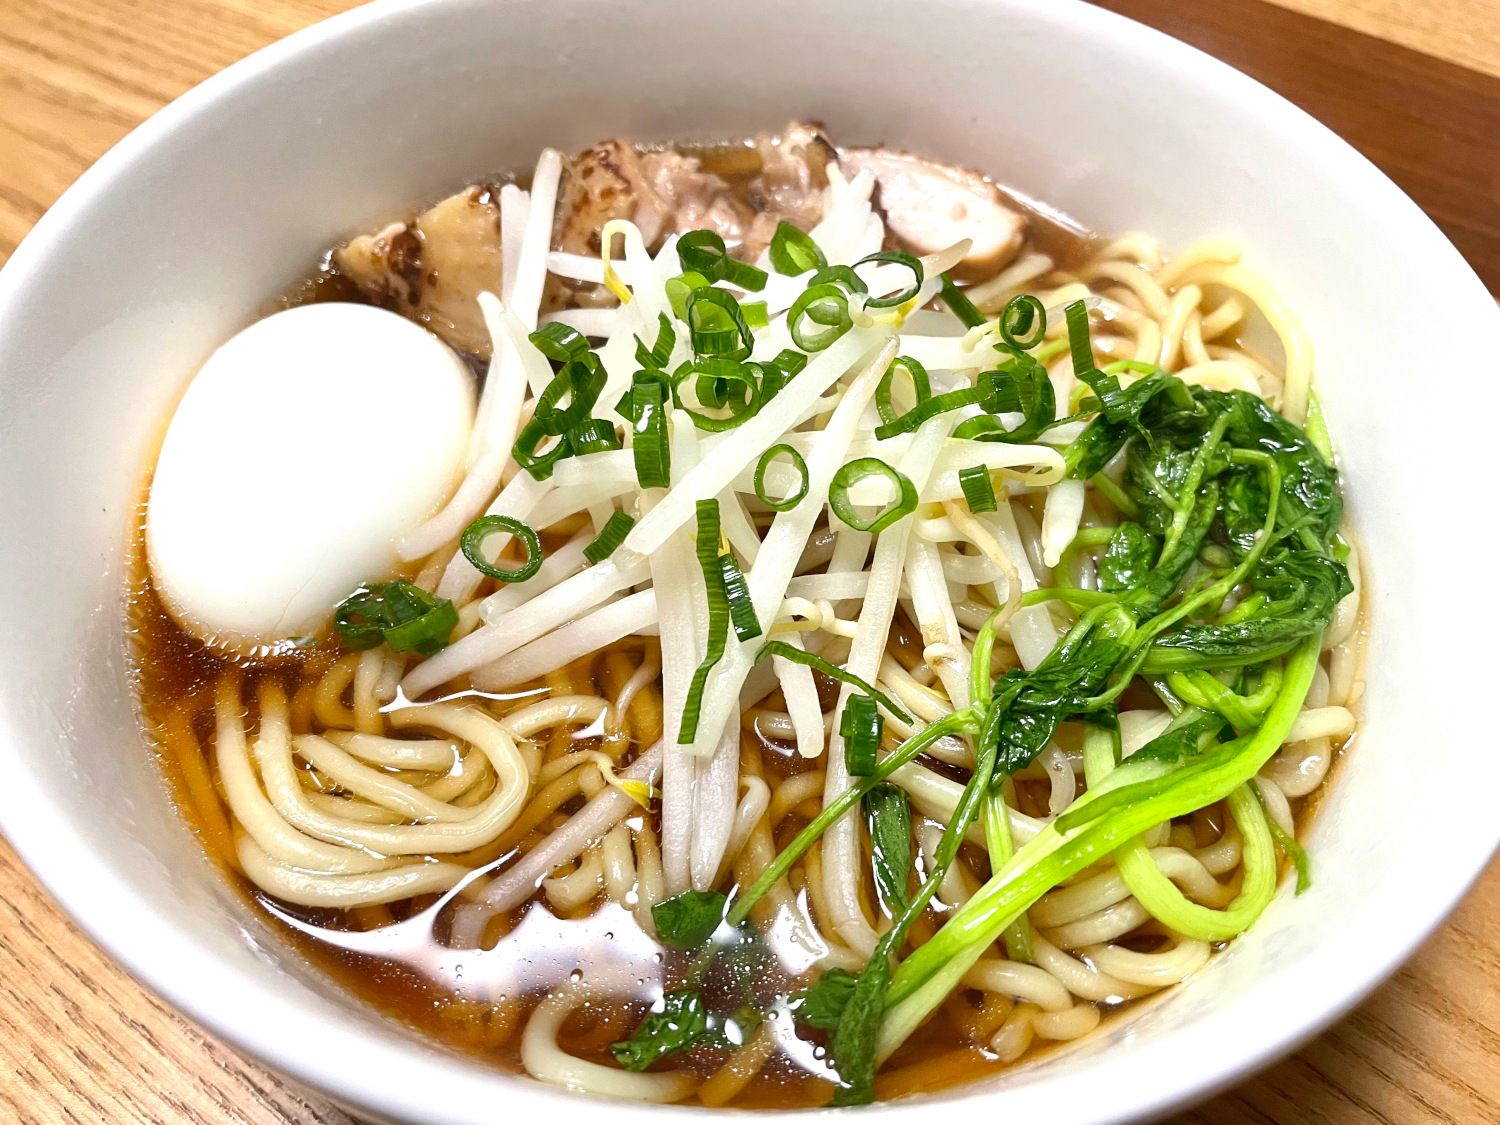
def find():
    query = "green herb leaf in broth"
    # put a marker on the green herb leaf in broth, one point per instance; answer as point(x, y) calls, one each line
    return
point(675, 1023)
point(888, 813)
point(688, 920)
point(822, 1003)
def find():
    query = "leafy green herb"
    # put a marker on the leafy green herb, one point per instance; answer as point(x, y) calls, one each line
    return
point(822, 1003)
point(1293, 851)
point(888, 814)
point(687, 920)
point(675, 1024)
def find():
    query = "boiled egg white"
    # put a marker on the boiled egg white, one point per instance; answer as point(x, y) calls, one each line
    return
point(304, 448)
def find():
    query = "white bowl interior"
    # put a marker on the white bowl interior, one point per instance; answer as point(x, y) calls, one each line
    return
point(178, 237)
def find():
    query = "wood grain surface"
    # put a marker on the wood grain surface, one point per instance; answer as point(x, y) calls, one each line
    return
point(80, 1042)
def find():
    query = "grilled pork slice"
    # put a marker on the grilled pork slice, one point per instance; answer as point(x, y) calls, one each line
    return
point(433, 268)
point(930, 206)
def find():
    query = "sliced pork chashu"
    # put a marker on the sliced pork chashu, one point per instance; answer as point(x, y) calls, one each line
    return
point(433, 269)
point(930, 206)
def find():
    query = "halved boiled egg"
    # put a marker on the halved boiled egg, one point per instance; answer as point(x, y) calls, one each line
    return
point(304, 448)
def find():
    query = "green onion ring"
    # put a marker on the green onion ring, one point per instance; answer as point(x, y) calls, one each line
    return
point(760, 478)
point(1018, 317)
point(559, 343)
point(822, 304)
point(920, 383)
point(610, 536)
point(703, 251)
point(899, 258)
point(959, 304)
point(731, 341)
point(793, 252)
point(481, 529)
point(717, 370)
point(855, 471)
point(979, 491)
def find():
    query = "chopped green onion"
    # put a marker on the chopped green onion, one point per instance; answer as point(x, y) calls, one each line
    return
point(839, 275)
point(857, 470)
point(741, 608)
point(716, 324)
point(481, 529)
point(678, 289)
point(899, 258)
point(580, 381)
point(1020, 315)
point(825, 304)
point(527, 451)
point(833, 672)
point(707, 549)
point(760, 478)
point(559, 343)
point(610, 536)
point(397, 613)
point(1079, 343)
point(593, 435)
point(703, 251)
point(960, 305)
point(718, 383)
point(935, 405)
point(794, 252)
point(979, 492)
point(755, 313)
point(780, 371)
point(921, 386)
point(1021, 385)
point(653, 457)
point(660, 354)
point(860, 727)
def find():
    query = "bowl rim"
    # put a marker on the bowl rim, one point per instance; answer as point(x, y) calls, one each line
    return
point(1316, 991)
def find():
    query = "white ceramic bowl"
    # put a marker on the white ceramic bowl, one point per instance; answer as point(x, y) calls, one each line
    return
point(178, 236)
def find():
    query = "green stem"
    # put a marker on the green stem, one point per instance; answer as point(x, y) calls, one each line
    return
point(1189, 494)
point(925, 978)
point(1159, 895)
point(1115, 495)
point(1083, 599)
point(1002, 846)
point(959, 722)
point(1087, 537)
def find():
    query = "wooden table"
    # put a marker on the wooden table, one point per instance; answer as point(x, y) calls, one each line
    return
point(1414, 85)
